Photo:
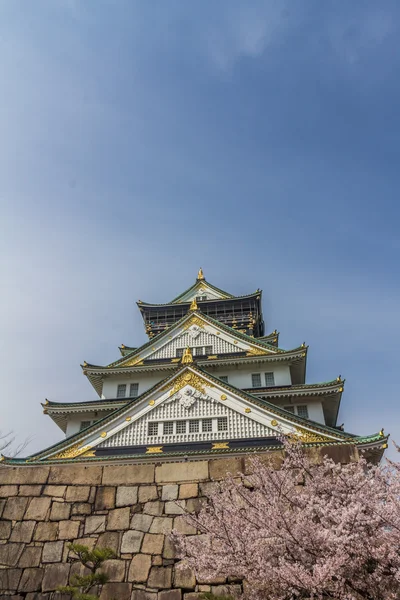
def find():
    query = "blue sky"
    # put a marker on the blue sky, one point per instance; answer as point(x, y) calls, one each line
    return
point(142, 140)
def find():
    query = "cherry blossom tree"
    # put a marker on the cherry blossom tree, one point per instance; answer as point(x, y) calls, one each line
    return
point(322, 531)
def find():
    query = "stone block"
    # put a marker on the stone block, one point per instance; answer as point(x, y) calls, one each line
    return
point(131, 541)
point(9, 580)
point(31, 580)
point(52, 552)
point(139, 568)
point(82, 508)
point(127, 495)
point(85, 541)
point(160, 577)
point(188, 490)
point(212, 579)
point(177, 472)
point(141, 522)
point(8, 490)
point(147, 492)
point(193, 505)
point(77, 474)
point(95, 524)
point(5, 530)
point(46, 532)
point(157, 560)
point(68, 530)
point(60, 511)
point(208, 487)
point(55, 575)
point(170, 595)
point(182, 526)
point(23, 531)
point(2, 505)
point(30, 490)
point(14, 475)
point(118, 519)
point(226, 590)
point(139, 594)
point(161, 525)
point(193, 596)
point(55, 491)
point(38, 509)
point(169, 492)
point(10, 553)
point(109, 539)
point(105, 498)
point(30, 557)
point(175, 508)
point(169, 551)
point(184, 577)
point(114, 591)
point(153, 543)
point(128, 474)
point(114, 569)
point(220, 467)
point(15, 508)
point(155, 508)
point(77, 493)
point(204, 588)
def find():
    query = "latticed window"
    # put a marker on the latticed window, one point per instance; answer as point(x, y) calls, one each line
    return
point(168, 428)
point(181, 427)
point(180, 351)
point(256, 380)
point(269, 379)
point(206, 425)
point(302, 411)
point(224, 378)
point(222, 423)
point(84, 424)
point(134, 390)
point(152, 428)
point(289, 409)
point(121, 390)
point(208, 350)
point(194, 426)
point(200, 298)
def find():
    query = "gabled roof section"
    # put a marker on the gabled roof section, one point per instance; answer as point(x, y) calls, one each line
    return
point(201, 287)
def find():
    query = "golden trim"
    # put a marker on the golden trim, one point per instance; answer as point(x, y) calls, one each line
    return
point(195, 320)
point(191, 379)
point(154, 449)
point(247, 410)
point(193, 305)
point(174, 360)
point(71, 452)
point(212, 357)
point(235, 342)
point(220, 446)
point(311, 436)
point(223, 397)
point(218, 333)
point(130, 363)
point(128, 418)
point(89, 453)
point(340, 389)
point(256, 352)
point(151, 402)
point(187, 357)
point(103, 434)
point(2, 457)
point(274, 423)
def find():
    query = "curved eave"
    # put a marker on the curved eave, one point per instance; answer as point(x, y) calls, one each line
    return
point(199, 302)
point(327, 387)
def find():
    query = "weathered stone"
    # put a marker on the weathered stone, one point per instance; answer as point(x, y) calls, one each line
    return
point(204, 588)
point(38, 509)
point(5, 530)
point(60, 511)
point(78, 569)
point(213, 579)
point(220, 467)
point(114, 569)
point(208, 487)
point(22, 531)
point(175, 508)
point(52, 552)
point(118, 519)
point(193, 596)
point(78, 474)
point(131, 541)
point(188, 490)
point(193, 505)
point(139, 568)
point(153, 543)
point(160, 577)
point(8, 490)
point(170, 595)
point(125, 474)
point(170, 550)
point(77, 493)
point(68, 530)
point(14, 475)
point(155, 508)
point(109, 539)
point(95, 524)
point(169, 492)
point(147, 492)
point(56, 491)
point(54, 576)
point(2, 506)
point(9, 580)
point(10, 553)
point(46, 532)
point(161, 525)
point(184, 577)
point(181, 525)
point(85, 541)
point(127, 495)
point(31, 580)
point(187, 471)
point(15, 508)
point(81, 509)
point(105, 498)
point(112, 591)
point(138, 594)
point(226, 590)
point(30, 557)
point(141, 522)
point(30, 490)
point(157, 560)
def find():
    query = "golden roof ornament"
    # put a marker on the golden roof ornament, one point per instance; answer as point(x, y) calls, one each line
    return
point(187, 357)
point(200, 274)
point(193, 305)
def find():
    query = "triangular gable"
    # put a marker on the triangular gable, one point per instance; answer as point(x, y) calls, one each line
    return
point(198, 395)
point(201, 288)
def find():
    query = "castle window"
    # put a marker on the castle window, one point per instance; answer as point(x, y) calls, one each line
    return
point(224, 378)
point(194, 426)
point(200, 298)
point(256, 380)
point(269, 379)
point(168, 428)
point(302, 411)
point(209, 350)
point(206, 425)
point(134, 390)
point(152, 428)
point(289, 409)
point(222, 423)
point(121, 390)
point(181, 427)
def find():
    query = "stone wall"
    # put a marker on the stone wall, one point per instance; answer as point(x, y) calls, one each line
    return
point(130, 508)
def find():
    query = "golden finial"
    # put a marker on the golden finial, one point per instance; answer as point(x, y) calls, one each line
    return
point(187, 357)
point(200, 274)
point(2, 457)
point(303, 345)
point(122, 345)
point(338, 379)
point(140, 301)
point(381, 433)
point(46, 403)
point(193, 305)
point(85, 364)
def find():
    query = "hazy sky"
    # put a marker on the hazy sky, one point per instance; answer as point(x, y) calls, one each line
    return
point(142, 140)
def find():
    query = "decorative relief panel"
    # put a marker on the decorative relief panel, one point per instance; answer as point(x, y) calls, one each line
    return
point(196, 336)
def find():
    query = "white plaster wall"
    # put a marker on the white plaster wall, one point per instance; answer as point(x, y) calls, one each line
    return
point(315, 410)
point(75, 419)
point(241, 377)
point(145, 381)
